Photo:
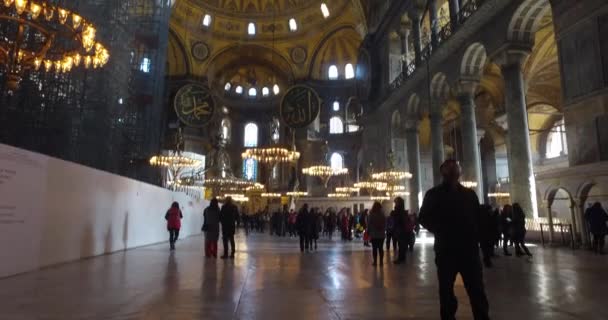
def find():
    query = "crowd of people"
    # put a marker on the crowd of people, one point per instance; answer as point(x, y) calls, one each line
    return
point(450, 211)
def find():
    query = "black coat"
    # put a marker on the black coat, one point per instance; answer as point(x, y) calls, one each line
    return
point(452, 215)
point(228, 216)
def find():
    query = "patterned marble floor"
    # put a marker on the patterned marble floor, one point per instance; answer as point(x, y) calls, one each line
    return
point(270, 279)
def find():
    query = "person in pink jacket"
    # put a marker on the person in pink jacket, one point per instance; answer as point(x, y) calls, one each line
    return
point(174, 223)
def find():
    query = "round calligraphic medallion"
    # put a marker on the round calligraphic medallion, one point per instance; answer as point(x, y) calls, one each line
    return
point(300, 106)
point(194, 105)
point(200, 51)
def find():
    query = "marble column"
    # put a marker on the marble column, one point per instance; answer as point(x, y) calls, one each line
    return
point(437, 151)
point(413, 153)
point(434, 24)
point(405, 48)
point(454, 10)
point(416, 34)
point(468, 127)
point(583, 226)
point(522, 180)
point(482, 195)
point(549, 221)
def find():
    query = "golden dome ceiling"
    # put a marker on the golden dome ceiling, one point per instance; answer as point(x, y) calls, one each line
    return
point(209, 39)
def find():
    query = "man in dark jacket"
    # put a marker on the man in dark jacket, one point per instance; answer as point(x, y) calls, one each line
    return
point(228, 216)
point(451, 212)
point(401, 221)
point(304, 227)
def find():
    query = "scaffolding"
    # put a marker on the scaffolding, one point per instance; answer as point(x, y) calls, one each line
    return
point(109, 118)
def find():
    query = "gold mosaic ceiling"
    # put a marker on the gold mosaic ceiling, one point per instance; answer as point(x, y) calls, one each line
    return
point(224, 47)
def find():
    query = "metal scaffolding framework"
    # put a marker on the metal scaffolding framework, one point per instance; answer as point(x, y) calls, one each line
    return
point(109, 118)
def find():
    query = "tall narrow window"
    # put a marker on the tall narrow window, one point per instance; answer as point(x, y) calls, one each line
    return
point(251, 135)
point(276, 90)
point(250, 169)
point(324, 10)
point(265, 91)
point(276, 130)
point(336, 106)
point(336, 126)
point(337, 161)
point(332, 73)
point(251, 29)
point(556, 141)
point(349, 71)
point(227, 86)
point(145, 65)
point(206, 20)
point(293, 25)
point(253, 92)
point(238, 89)
point(226, 128)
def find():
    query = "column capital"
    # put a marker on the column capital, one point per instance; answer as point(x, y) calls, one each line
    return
point(467, 87)
point(411, 125)
point(512, 55)
point(480, 134)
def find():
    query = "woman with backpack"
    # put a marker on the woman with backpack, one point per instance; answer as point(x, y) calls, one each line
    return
point(174, 223)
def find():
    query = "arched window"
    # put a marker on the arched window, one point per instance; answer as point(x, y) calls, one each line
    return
point(251, 29)
point(251, 135)
point(265, 91)
point(239, 90)
point(556, 141)
point(349, 71)
point(206, 20)
point(253, 92)
point(275, 89)
point(227, 86)
point(226, 130)
point(324, 10)
point(293, 25)
point(336, 106)
point(337, 161)
point(332, 72)
point(250, 169)
point(276, 130)
point(336, 126)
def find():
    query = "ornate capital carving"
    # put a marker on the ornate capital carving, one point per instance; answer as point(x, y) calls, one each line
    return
point(467, 87)
point(513, 55)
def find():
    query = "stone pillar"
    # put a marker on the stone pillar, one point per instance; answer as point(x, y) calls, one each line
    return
point(482, 195)
point(574, 222)
point(405, 47)
point(522, 180)
point(549, 220)
point(454, 10)
point(413, 154)
point(434, 24)
point(438, 155)
point(468, 126)
point(584, 228)
point(415, 17)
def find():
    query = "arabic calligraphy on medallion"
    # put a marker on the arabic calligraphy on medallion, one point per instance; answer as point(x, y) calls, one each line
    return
point(194, 105)
point(300, 106)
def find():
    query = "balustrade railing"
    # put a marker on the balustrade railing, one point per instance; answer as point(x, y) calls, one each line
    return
point(445, 33)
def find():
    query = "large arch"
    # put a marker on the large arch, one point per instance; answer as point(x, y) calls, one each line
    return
point(338, 47)
point(527, 19)
point(178, 59)
point(473, 61)
point(412, 110)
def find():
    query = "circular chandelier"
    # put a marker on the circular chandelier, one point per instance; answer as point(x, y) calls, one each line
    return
point(338, 195)
point(347, 190)
point(371, 185)
point(392, 175)
point(271, 195)
point(256, 187)
point(324, 172)
point(499, 195)
point(380, 198)
point(271, 155)
point(297, 194)
point(174, 161)
point(469, 184)
point(38, 34)
point(235, 197)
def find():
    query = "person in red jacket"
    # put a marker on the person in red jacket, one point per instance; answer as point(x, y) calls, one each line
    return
point(174, 223)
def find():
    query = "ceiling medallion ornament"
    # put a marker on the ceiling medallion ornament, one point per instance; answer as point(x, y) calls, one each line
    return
point(298, 55)
point(200, 51)
point(300, 106)
point(194, 105)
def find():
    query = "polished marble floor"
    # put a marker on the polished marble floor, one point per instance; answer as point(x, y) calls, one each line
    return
point(270, 279)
